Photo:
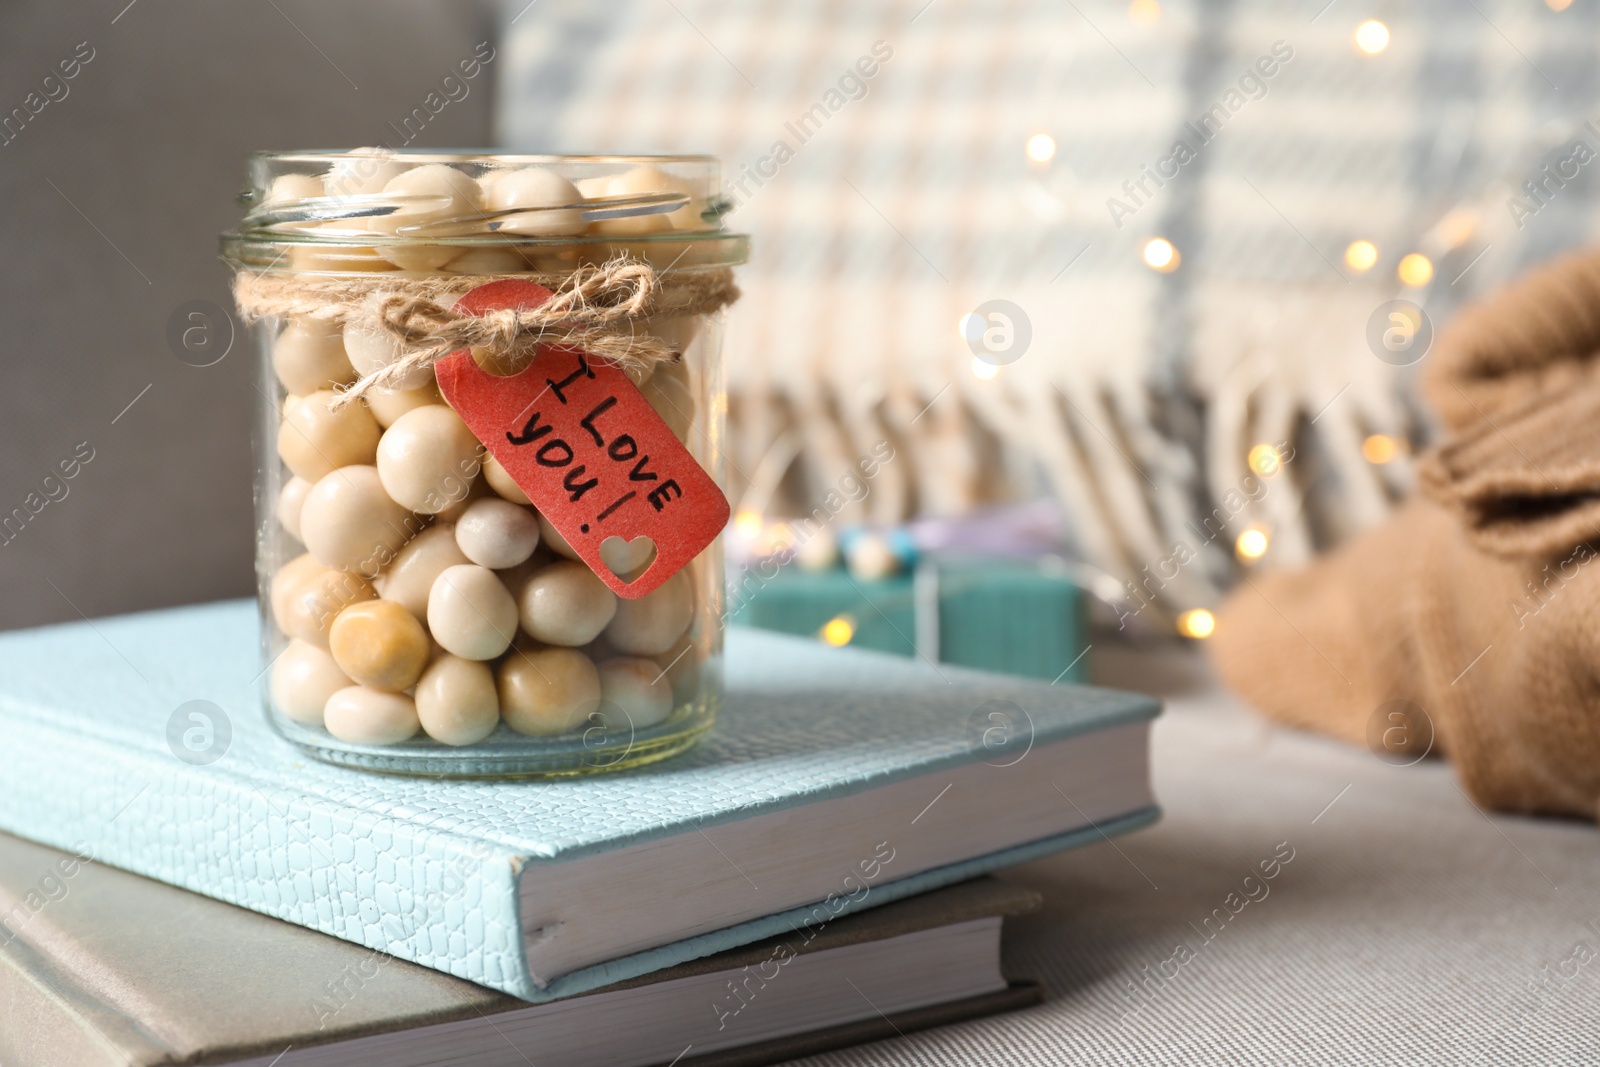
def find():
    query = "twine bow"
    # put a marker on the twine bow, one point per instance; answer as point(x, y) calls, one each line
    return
point(595, 308)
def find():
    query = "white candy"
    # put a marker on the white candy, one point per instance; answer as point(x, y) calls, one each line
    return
point(389, 404)
point(371, 348)
point(501, 482)
point(496, 533)
point(652, 179)
point(536, 187)
point(437, 201)
point(349, 522)
point(309, 355)
point(291, 498)
point(668, 392)
point(428, 459)
point(470, 613)
point(565, 604)
point(552, 539)
point(303, 678)
point(491, 260)
point(457, 702)
point(548, 691)
point(409, 580)
point(633, 693)
point(651, 624)
point(363, 171)
point(313, 439)
point(311, 604)
point(365, 716)
point(284, 582)
point(287, 187)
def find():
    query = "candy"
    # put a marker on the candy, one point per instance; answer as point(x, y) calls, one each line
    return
point(502, 483)
point(535, 188)
point(364, 171)
point(547, 691)
point(496, 533)
point(669, 394)
point(314, 439)
point(552, 537)
point(470, 613)
point(372, 348)
point(303, 678)
point(309, 355)
point(286, 580)
point(649, 625)
point(428, 459)
point(491, 260)
point(349, 521)
point(379, 644)
point(565, 604)
point(410, 578)
point(634, 693)
point(370, 716)
point(313, 603)
point(291, 499)
point(652, 179)
point(389, 404)
point(457, 702)
point(436, 201)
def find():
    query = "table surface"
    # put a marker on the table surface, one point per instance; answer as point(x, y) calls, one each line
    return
point(1409, 927)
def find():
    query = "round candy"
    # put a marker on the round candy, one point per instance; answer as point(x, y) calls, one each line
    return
point(496, 533)
point(349, 521)
point(491, 260)
point(650, 624)
point(286, 580)
point(410, 578)
point(536, 188)
point(565, 604)
point(303, 678)
point(669, 394)
point(501, 482)
point(287, 187)
point(547, 691)
point(551, 537)
point(428, 459)
point(314, 439)
point(650, 178)
point(389, 404)
point(435, 201)
point(457, 702)
point(370, 716)
point(470, 613)
point(379, 644)
point(362, 171)
point(371, 348)
point(682, 664)
point(309, 355)
point(633, 693)
point(316, 601)
point(291, 499)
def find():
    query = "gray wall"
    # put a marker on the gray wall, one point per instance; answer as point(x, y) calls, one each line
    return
point(111, 199)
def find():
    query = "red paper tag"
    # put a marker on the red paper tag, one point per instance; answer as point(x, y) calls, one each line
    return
point(587, 448)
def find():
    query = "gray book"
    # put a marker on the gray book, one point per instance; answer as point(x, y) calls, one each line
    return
point(100, 967)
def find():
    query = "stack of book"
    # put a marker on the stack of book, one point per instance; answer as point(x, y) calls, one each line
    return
point(809, 876)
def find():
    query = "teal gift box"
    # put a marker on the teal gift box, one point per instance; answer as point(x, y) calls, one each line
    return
point(993, 615)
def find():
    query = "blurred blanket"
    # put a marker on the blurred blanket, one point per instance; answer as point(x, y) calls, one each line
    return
point(904, 163)
point(1476, 605)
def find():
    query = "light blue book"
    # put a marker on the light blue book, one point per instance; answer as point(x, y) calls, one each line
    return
point(834, 780)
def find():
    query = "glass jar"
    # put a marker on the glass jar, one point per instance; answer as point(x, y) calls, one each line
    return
point(419, 613)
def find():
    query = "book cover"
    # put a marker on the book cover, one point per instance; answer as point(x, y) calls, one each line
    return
point(94, 714)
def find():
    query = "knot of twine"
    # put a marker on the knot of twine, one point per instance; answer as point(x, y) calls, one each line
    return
point(596, 308)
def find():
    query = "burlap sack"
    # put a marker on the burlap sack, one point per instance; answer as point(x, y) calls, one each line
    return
point(1476, 601)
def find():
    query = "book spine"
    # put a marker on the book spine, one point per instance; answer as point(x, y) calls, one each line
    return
point(402, 889)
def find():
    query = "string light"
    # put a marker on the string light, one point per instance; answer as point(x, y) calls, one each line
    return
point(1197, 623)
point(1416, 270)
point(838, 631)
point(1379, 448)
point(1041, 148)
point(1252, 543)
point(1264, 460)
point(1360, 256)
point(1159, 254)
point(1372, 37)
point(1147, 12)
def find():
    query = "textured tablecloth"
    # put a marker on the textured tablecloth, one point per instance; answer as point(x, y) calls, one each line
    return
point(1408, 927)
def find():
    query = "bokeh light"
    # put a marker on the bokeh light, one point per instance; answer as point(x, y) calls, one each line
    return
point(1379, 448)
point(1264, 459)
point(1252, 543)
point(1360, 256)
point(1372, 37)
point(1159, 254)
point(838, 631)
point(1041, 148)
point(1416, 270)
point(1197, 623)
